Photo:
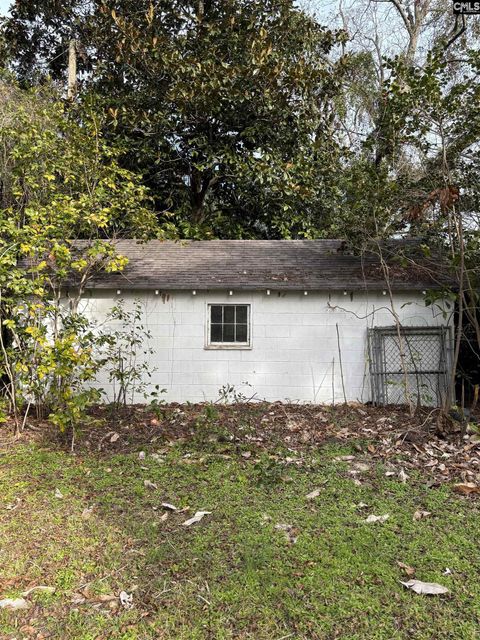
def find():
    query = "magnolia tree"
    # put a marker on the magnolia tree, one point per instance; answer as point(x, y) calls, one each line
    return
point(64, 201)
point(227, 109)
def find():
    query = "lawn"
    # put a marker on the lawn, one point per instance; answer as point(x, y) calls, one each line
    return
point(90, 525)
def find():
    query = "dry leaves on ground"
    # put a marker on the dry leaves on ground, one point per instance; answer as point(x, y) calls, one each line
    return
point(372, 518)
point(169, 507)
point(425, 588)
point(199, 515)
point(406, 568)
point(148, 484)
point(466, 488)
point(388, 435)
point(14, 603)
point(126, 599)
point(420, 514)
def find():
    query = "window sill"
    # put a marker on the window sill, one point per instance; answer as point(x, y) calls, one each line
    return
point(227, 347)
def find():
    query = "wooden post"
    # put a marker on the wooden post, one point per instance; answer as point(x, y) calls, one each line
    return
point(72, 70)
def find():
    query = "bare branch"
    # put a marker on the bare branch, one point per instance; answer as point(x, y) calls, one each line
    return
point(402, 12)
point(457, 31)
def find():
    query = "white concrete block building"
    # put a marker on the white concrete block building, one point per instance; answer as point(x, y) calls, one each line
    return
point(296, 321)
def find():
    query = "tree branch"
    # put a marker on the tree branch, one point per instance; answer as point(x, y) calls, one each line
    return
point(402, 12)
point(456, 32)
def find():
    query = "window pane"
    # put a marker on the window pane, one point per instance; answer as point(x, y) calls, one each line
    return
point(241, 314)
point(229, 323)
point(241, 333)
point(216, 333)
point(216, 313)
point(229, 314)
point(228, 333)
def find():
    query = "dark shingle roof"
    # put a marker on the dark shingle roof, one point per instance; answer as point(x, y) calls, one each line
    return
point(258, 264)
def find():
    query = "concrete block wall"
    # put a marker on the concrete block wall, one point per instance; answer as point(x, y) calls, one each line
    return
point(294, 353)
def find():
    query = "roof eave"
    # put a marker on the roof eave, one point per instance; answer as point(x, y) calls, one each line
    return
point(138, 286)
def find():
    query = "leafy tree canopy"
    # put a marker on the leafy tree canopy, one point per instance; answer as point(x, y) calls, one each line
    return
point(226, 108)
point(60, 182)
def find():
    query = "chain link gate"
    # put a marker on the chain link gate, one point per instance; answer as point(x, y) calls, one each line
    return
point(414, 367)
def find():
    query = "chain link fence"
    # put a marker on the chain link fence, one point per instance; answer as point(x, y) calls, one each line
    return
point(413, 367)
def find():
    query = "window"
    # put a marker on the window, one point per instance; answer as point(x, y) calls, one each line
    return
point(229, 325)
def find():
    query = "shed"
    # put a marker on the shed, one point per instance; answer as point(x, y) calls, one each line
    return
point(287, 320)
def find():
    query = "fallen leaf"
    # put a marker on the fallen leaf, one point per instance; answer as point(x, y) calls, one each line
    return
point(150, 485)
point(169, 507)
point(408, 570)
point(359, 467)
point(115, 437)
point(58, 494)
point(466, 488)
point(344, 458)
point(313, 494)
point(419, 514)
point(14, 603)
point(78, 598)
point(87, 512)
point(28, 630)
point(39, 587)
point(372, 518)
point(126, 599)
point(402, 476)
point(196, 518)
point(13, 505)
point(106, 597)
point(247, 454)
point(164, 516)
point(425, 588)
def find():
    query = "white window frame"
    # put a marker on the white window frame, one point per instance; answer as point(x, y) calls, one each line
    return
point(228, 345)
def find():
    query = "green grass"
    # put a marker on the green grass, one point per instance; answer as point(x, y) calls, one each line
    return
point(232, 575)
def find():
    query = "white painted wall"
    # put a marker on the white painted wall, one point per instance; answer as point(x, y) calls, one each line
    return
point(294, 354)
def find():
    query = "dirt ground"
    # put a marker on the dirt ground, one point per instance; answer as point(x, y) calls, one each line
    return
point(382, 434)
